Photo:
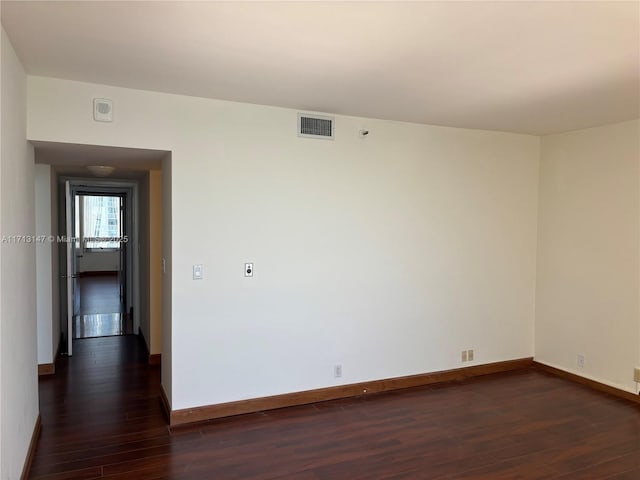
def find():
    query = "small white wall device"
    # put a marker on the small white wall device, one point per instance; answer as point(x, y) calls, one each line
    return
point(248, 269)
point(198, 272)
point(102, 110)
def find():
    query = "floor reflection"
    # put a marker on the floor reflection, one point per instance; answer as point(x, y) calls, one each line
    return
point(101, 325)
point(100, 312)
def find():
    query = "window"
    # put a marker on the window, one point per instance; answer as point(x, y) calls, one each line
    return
point(100, 222)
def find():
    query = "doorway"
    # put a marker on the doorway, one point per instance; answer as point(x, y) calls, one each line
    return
point(142, 178)
point(99, 287)
point(99, 235)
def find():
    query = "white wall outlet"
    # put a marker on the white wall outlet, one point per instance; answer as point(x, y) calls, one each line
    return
point(581, 361)
point(470, 355)
point(636, 374)
point(464, 356)
point(337, 371)
point(198, 272)
point(248, 269)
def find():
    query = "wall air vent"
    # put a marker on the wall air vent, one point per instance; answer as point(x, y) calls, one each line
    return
point(315, 126)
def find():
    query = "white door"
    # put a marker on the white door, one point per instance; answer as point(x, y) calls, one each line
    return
point(122, 271)
point(71, 273)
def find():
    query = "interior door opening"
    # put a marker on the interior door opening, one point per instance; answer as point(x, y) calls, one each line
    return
point(100, 253)
point(97, 287)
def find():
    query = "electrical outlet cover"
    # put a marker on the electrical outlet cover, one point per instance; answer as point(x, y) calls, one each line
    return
point(248, 269)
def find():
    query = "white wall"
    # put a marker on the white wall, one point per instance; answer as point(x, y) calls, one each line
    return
point(143, 242)
point(167, 290)
point(19, 374)
point(150, 192)
point(99, 262)
point(44, 278)
point(155, 260)
point(2, 115)
point(588, 253)
point(388, 254)
point(55, 266)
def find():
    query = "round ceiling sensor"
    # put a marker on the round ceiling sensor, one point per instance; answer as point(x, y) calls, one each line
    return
point(101, 170)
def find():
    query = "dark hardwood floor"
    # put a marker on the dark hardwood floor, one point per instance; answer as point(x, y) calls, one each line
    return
point(99, 294)
point(102, 418)
point(101, 325)
point(99, 309)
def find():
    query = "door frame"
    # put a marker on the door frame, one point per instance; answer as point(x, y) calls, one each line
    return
point(130, 189)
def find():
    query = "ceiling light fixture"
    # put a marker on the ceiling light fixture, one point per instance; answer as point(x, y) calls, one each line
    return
point(101, 170)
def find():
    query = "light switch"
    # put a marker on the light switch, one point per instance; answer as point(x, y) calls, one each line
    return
point(197, 272)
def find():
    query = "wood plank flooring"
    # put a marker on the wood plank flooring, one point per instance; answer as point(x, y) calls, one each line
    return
point(102, 418)
point(100, 312)
point(99, 294)
point(101, 325)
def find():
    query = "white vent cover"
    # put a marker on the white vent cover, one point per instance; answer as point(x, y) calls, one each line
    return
point(315, 126)
point(102, 110)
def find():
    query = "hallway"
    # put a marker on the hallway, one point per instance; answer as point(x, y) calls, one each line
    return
point(100, 310)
